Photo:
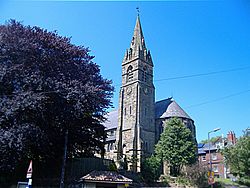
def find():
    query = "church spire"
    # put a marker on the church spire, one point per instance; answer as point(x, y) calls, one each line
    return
point(137, 46)
point(138, 42)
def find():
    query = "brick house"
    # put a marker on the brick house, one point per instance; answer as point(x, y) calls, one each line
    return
point(217, 159)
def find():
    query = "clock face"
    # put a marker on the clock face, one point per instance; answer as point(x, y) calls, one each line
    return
point(129, 90)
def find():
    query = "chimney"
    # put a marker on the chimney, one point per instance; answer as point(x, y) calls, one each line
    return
point(231, 138)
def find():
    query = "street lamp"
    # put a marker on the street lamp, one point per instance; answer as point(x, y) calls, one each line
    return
point(210, 163)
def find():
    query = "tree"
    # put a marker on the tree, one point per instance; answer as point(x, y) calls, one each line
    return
point(48, 86)
point(151, 169)
point(213, 140)
point(177, 146)
point(237, 157)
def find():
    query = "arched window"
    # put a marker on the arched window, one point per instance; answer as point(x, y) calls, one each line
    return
point(146, 146)
point(129, 73)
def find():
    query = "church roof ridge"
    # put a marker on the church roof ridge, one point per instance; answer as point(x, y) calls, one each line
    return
point(162, 100)
point(112, 120)
point(168, 108)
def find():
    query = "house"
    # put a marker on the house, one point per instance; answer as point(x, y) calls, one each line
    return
point(218, 164)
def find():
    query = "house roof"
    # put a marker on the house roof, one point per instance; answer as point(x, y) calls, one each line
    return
point(203, 148)
point(112, 120)
point(168, 108)
point(110, 138)
point(201, 151)
point(200, 145)
point(105, 177)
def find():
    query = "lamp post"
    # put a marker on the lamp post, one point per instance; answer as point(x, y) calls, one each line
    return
point(210, 162)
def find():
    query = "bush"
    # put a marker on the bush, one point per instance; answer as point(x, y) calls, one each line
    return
point(197, 175)
point(244, 181)
point(151, 169)
point(182, 180)
point(112, 167)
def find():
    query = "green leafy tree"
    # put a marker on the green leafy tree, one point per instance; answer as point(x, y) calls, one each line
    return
point(213, 140)
point(238, 158)
point(48, 87)
point(151, 169)
point(177, 146)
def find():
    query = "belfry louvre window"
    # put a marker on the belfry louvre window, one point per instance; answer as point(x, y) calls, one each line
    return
point(144, 74)
point(129, 73)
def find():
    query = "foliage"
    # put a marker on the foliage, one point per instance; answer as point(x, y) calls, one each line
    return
point(182, 180)
point(177, 146)
point(225, 181)
point(112, 167)
point(238, 158)
point(244, 180)
point(197, 174)
point(213, 140)
point(151, 170)
point(48, 86)
point(165, 179)
point(194, 175)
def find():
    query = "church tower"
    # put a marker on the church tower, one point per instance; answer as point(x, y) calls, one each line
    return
point(135, 136)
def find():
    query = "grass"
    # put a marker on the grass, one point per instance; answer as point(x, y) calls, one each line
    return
point(226, 181)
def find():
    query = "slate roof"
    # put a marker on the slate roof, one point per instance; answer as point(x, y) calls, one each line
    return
point(110, 138)
point(105, 177)
point(201, 151)
point(200, 145)
point(112, 120)
point(166, 108)
point(169, 108)
point(203, 148)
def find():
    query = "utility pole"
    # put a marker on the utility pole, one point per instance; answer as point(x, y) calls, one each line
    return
point(64, 158)
point(210, 161)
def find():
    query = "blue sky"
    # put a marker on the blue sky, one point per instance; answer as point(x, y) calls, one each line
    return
point(185, 38)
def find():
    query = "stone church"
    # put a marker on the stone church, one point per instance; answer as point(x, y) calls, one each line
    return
point(134, 129)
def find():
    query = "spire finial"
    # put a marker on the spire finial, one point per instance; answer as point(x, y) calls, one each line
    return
point(138, 11)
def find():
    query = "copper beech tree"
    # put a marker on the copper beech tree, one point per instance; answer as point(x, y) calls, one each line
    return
point(48, 86)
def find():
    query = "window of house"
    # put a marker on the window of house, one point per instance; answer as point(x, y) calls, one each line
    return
point(214, 156)
point(112, 133)
point(111, 146)
point(203, 158)
point(107, 147)
point(215, 168)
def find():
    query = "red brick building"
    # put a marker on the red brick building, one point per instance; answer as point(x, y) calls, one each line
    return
point(217, 159)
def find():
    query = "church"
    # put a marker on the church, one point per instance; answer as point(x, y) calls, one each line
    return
point(135, 128)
